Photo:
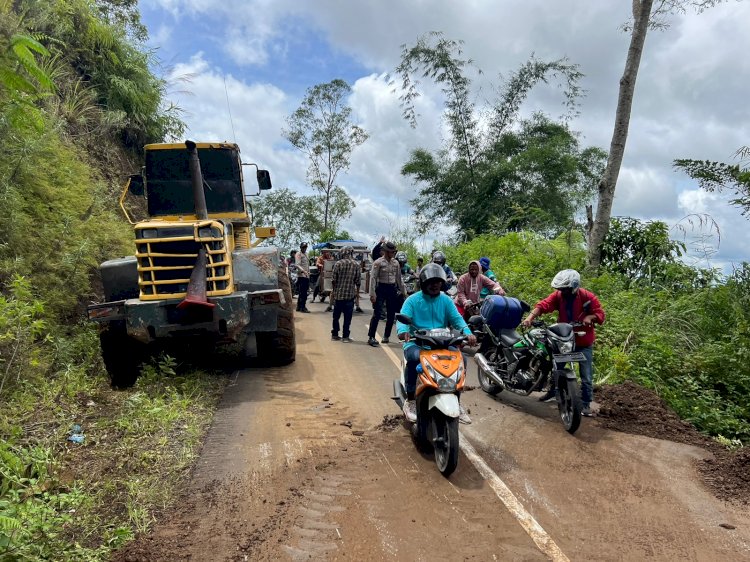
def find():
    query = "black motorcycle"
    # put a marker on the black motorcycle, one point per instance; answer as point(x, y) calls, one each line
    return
point(411, 283)
point(528, 362)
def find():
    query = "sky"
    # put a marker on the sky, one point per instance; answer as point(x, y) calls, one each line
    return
point(238, 69)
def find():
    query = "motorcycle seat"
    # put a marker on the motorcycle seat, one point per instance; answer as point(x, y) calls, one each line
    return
point(509, 336)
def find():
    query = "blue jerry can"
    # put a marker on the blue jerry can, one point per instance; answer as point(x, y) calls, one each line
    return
point(501, 312)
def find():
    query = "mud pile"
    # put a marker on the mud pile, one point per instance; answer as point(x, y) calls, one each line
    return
point(631, 408)
point(728, 474)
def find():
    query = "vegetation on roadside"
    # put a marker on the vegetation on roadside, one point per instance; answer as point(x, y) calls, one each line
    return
point(67, 500)
point(679, 330)
point(82, 468)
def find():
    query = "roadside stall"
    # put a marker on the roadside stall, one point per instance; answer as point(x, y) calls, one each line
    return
point(333, 247)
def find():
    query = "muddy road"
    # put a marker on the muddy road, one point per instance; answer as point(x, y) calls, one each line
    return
point(304, 462)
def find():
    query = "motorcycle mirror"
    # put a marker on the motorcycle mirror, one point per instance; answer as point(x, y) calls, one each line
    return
point(525, 306)
point(403, 318)
point(586, 305)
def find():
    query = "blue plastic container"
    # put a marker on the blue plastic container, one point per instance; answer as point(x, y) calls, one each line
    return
point(501, 312)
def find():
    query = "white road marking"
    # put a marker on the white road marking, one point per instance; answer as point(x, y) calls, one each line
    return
point(540, 537)
point(543, 541)
point(391, 467)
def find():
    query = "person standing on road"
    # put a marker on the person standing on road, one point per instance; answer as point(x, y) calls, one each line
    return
point(377, 249)
point(363, 272)
point(347, 276)
point(428, 309)
point(385, 283)
point(303, 276)
point(573, 304)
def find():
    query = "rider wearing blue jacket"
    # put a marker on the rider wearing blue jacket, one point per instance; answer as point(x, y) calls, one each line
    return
point(428, 309)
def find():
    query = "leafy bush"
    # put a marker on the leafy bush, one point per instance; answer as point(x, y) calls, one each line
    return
point(686, 339)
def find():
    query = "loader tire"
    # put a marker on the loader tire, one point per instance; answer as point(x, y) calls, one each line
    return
point(122, 355)
point(280, 347)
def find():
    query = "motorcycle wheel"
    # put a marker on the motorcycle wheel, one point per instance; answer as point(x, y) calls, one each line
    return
point(486, 382)
point(445, 433)
point(420, 434)
point(569, 403)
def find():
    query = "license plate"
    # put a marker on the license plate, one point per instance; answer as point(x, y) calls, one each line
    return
point(575, 357)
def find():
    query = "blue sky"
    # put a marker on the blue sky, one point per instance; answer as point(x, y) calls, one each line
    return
point(690, 98)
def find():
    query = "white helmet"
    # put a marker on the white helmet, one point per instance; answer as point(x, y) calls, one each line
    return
point(567, 279)
point(401, 257)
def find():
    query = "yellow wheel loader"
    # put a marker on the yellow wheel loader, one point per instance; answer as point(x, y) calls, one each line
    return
point(198, 278)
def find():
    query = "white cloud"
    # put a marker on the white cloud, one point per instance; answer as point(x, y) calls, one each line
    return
point(257, 110)
point(644, 193)
point(689, 100)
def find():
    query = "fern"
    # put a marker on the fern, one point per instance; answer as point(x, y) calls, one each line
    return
point(9, 524)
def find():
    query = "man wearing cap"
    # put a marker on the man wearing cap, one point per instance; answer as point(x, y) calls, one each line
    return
point(347, 275)
point(385, 284)
point(303, 276)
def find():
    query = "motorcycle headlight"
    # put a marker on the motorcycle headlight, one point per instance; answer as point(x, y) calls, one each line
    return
point(566, 346)
point(447, 384)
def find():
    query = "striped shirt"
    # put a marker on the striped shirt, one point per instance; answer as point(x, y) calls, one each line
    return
point(347, 275)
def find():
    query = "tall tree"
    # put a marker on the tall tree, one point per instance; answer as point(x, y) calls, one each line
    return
point(322, 129)
point(646, 14)
point(535, 177)
point(298, 217)
point(497, 165)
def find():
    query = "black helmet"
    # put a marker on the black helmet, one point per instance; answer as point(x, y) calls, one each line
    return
point(429, 272)
point(438, 257)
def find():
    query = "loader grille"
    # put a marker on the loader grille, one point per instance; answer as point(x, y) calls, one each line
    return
point(166, 255)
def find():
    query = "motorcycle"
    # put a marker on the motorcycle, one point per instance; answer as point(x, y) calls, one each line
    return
point(528, 362)
point(440, 380)
point(293, 274)
point(410, 283)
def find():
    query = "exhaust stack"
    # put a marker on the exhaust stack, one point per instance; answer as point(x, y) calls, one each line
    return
point(196, 180)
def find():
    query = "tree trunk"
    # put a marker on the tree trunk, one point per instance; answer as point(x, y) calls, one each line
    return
point(597, 229)
point(328, 203)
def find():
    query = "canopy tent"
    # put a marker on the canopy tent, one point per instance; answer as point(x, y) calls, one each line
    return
point(338, 244)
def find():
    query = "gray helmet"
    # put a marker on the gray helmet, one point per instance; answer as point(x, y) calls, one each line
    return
point(429, 272)
point(567, 279)
point(347, 252)
point(401, 257)
point(438, 257)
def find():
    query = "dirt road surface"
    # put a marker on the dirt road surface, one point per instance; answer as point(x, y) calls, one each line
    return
point(311, 462)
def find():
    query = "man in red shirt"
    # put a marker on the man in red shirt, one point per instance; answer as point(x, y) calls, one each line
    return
point(574, 304)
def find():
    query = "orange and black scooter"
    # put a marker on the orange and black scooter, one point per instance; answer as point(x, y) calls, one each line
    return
point(441, 375)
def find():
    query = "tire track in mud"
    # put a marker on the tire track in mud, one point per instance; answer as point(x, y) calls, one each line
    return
point(316, 532)
point(268, 419)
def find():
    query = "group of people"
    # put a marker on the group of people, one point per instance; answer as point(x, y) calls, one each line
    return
point(346, 281)
point(430, 307)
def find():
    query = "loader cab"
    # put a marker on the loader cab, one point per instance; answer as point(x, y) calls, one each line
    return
point(168, 188)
